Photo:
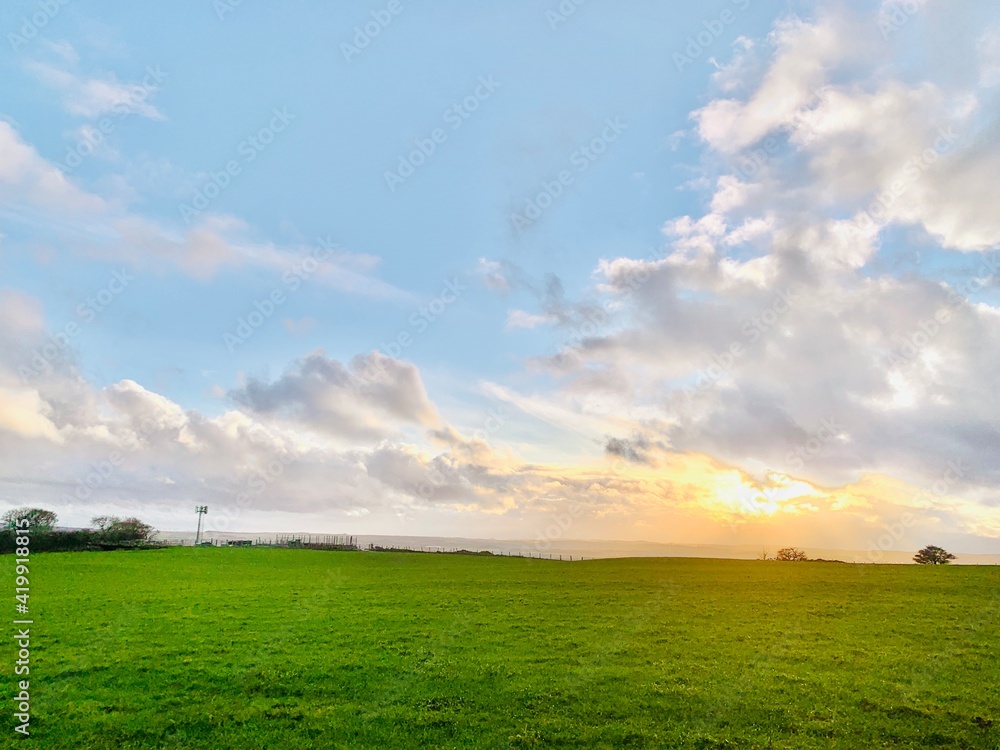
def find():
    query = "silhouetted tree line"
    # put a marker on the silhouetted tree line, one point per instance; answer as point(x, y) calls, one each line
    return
point(107, 533)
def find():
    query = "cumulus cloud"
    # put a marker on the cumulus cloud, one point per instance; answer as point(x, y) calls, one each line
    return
point(301, 445)
point(804, 53)
point(22, 412)
point(827, 129)
point(767, 337)
point(358, 400)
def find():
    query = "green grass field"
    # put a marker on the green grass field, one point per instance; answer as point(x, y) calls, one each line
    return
point(259, 648)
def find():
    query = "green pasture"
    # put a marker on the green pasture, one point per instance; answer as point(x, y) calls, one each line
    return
point(269, 648)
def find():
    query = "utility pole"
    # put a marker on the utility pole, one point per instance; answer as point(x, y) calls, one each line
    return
point(200, 510)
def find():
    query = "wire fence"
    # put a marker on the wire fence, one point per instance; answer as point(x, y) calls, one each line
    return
point(350, 543)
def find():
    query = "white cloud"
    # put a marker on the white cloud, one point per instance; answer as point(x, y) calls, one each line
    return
point(21, 313)
point(100, 228)
point(494, 274)
point(770, 300)
point(91, 98)
point(521, 319)
point(292, 452)
point(804, 53)
point(825, 126)
point(64, 50)
point(22, 412)
point(27, 178)
point(360, 400)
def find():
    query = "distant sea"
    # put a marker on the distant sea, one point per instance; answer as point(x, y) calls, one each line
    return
point(578, 548)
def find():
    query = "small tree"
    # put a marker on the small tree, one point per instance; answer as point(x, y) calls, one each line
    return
point(115, 530)
point(103, 523)
point(791, 554)
point(931, 555)
point(133, 530)
point(38, 518)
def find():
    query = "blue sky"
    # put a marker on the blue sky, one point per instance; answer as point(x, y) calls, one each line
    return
point(642, 118)
point(353, 120)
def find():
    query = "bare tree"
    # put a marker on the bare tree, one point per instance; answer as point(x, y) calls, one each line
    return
point(791, 554)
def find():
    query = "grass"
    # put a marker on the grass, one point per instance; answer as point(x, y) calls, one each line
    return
point(261, 648)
